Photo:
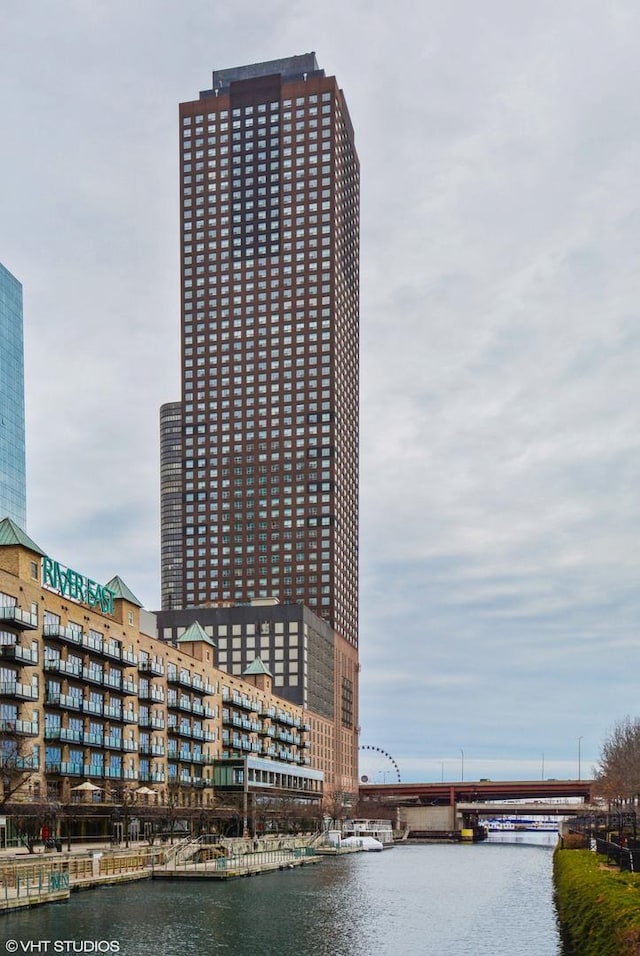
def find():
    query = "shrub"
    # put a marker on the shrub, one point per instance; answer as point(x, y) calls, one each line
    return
point(573, 841)
point(598, 908)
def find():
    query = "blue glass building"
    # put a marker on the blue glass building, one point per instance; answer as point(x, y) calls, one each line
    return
point(13, 486)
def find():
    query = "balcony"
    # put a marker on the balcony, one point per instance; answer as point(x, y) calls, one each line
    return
point(153, 693)
point(130, 745)
point(56, 665)
point(27, 728)
point(114, 681)
point(94, 770)
point(72, 736)
point(69, 769)
point(93, 643)
point(113, 773)
point(63, 733)
point(157, 722)
point(62, 700)
point(130, 775)
point(151, 667)
point(19, 691)
point(112, 649)
point(183, 678)
point(93, 740)
point(19, 654)
point(23, 620)
point(92, 676)
point(61, 633)
point(129, 657)
point(93, 707)
point(129, 686)
point(115, 713)
point(130, 716)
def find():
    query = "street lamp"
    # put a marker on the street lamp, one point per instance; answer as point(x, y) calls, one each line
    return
point(542, 778)
point(579, 756)
point(462, 765)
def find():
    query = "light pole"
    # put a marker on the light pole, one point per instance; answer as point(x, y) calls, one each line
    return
point(542, 778)
point(579, 756)
point(442, 771)
point(461, 765)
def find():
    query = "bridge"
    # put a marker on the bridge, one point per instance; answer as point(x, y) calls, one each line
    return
point(455, 806)
point(474, 791)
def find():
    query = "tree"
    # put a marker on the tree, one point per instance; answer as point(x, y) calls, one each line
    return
point(618, 779)
point(31, 819)
point(18, 764)
point(338, 804)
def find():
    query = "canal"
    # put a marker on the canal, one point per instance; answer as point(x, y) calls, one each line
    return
point(489, 899)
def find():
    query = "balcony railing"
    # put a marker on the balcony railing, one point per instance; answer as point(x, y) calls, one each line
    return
point(69, 769)
point(22, 655)
point(151, 667)
point(94, 770)
point(27, 727)
point(13, 688)
point(57, 666)
point(19, 618)
point(62, 633)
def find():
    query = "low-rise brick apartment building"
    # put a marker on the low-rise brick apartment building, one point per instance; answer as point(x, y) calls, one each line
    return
point(95, 709)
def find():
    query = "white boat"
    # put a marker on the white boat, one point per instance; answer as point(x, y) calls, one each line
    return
point(380, 830)
point(366, 843)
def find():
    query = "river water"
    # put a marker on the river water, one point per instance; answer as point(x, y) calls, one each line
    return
point(487, 899)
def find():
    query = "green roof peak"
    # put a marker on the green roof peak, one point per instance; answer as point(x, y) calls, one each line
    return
point(120, 590)
point(195, 632)
point(11, 534)
point(256, 668)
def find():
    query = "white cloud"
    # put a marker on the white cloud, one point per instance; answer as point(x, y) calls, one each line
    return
point(500, 331)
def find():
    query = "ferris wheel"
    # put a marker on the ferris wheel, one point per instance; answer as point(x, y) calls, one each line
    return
point(377, 766)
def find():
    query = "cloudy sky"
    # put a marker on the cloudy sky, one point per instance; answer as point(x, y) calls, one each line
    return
point(500, 153)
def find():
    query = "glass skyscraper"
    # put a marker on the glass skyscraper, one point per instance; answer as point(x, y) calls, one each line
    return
point(13, 493)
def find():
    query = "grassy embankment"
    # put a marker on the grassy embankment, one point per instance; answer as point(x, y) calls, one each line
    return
point(598, 907)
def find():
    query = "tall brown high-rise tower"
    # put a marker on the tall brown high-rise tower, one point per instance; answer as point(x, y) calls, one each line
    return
point(268, 470)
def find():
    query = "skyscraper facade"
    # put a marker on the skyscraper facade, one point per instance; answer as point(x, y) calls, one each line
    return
point(13, 494)
point(267, 473)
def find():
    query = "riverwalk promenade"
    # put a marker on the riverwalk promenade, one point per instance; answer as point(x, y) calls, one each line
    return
point(28, 880)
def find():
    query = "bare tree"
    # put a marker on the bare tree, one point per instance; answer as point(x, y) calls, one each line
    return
point(338, 804)
point(618, 779)
point(33, 820)
point(18, 764)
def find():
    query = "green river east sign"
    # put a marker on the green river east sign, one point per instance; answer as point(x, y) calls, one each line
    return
point(75, 586)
